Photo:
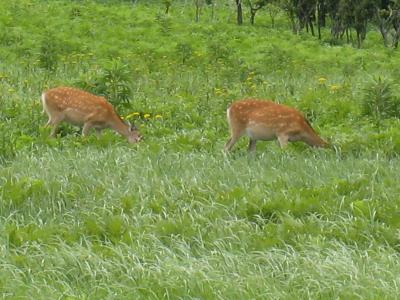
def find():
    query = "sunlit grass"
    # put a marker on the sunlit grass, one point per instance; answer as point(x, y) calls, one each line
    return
point(174, 216)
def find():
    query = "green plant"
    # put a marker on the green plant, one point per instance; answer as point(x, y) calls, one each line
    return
point(185, 51)
point(48, 55)
point(113, 80)
point(164, 22)
point(379, 101)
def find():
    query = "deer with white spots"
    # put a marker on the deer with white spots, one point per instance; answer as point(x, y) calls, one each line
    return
point(78, 107)
point(266, 120)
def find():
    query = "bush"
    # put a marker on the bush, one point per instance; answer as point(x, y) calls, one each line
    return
point(379, 101)
point(113, 81)
point(48, 55)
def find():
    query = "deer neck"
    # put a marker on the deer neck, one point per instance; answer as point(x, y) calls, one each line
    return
point(119, 126)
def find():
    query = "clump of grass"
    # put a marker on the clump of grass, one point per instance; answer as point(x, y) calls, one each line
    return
point(113, 80)
point(49, 52)
point(379, 101)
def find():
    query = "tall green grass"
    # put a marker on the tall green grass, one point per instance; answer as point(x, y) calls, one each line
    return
point(174, 217)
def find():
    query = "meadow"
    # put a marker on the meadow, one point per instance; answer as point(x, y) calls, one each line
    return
point(173, 216)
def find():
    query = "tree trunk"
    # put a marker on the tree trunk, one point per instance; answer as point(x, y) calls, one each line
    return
point(358, 39)
point(396, 38)
point(384, 34)
point(396, 26)
point(321, 13)
point(252, 16)
point(318, 19)
point(311, 27)
point(239, 12)
point(319, 31)
point(197, 13)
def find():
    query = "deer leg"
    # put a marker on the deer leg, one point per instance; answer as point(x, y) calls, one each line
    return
point(229, 144)
point(252, 145)
point(86, 128)
point(53, 122)
point(283, 140)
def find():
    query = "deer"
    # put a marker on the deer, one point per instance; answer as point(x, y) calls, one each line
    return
point(79, 107)
point(267, 120)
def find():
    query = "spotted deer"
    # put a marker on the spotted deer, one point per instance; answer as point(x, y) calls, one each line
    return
point(266, 120)
point(78, 107)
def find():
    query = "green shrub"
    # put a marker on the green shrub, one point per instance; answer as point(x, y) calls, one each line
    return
point(49, 52)
point(379, 101)
point(113, 80)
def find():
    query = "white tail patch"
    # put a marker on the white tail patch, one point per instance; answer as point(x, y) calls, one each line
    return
point(44, 103)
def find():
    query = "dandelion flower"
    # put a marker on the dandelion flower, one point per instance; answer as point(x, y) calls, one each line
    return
point(146, 116)
point(158, 117)
point(321, 80)
point(334, 87)
point(134, 114)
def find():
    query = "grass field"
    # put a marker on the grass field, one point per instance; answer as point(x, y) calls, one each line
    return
point(173, 216)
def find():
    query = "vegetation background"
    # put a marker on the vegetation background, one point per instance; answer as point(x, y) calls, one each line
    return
point(174, 217)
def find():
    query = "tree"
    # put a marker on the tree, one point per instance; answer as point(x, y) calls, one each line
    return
point(363, 13)
point(239, 11)
point(255, 6)
point(199, 4)
point(348, 14)
point(167, 4)
point(387, 18)
point(273, 10)
point(289, 6)
point(306, 13)
point(320, 11)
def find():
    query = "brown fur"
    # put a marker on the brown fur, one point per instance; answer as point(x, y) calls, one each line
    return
point(82, 108)
point(266, 120)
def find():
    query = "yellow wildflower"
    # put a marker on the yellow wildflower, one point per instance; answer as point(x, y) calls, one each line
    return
point(134, 114)
point(158, 117)
point(146, 116)
point(334, 87)
point(321, 80)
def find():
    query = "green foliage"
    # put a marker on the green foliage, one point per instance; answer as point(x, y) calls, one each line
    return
point(185, 51)
point(49, 51)
point(164, 22)
point(379, 102)
point(113, 80)
point(217, 50)
point(173, 216)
